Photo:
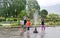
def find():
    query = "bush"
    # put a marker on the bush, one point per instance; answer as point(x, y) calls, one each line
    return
point(0, 25)
point(15, 19)
point(2, 20)
point(15, 24)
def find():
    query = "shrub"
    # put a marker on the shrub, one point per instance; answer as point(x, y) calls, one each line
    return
point(15, 24)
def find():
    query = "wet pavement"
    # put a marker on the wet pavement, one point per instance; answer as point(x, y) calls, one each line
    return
point(50, 32)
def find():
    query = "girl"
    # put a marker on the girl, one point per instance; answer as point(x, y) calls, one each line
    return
point(42, 24)
point(28, 25)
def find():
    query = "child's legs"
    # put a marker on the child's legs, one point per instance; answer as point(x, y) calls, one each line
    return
point(43, 27)
point(24, 28)
point(28, 28)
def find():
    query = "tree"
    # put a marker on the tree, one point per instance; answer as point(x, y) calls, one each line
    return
point(44, 13)
point(22, 14)
point(32, 7)
point(10, 6)
point(16, 7)
point(53, 17)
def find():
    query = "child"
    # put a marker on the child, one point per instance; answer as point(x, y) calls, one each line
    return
point(28, 25)
point(25, 20)
point(43, 25)
point(22, 23)
point(23, 26)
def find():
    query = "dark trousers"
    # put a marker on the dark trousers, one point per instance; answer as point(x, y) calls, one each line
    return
point(25, 22)
point(28, 28)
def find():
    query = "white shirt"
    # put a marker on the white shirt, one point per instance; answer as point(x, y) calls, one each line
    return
point(25, 18)
point(22, 22)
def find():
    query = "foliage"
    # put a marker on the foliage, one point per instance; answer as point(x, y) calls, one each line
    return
point(44, 13)
point(53, 17)
point(15, 24)
point(16, 8)
point(12, 7)
point(22, 14)
point(32, 7)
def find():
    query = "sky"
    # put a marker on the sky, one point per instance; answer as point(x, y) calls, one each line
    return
point(45, 3)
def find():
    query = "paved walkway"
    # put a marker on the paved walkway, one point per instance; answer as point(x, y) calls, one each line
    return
point(50, 32)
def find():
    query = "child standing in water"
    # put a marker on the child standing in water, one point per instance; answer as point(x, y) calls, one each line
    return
point(22, 23)
point(28, 24)
point(25, 20)
point(42, 24)
point(22, 27)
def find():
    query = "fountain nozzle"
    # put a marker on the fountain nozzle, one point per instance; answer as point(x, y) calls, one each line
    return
point(35, 31)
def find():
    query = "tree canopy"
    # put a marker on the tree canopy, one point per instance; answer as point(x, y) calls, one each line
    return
point(17, 8)
point(12, 7)
point(44, 13)
point(32, 7)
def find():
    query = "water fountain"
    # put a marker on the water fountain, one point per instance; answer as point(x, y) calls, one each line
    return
point(27, 8)
point(35, 21)
point(35, 16)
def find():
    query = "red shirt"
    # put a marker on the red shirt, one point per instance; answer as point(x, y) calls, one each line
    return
point(28, 23)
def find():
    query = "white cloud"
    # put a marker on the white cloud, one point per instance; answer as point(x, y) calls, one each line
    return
point(48, 2)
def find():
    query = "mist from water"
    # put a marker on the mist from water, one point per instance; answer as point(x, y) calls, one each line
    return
point(35, 17)
point(27, 8)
